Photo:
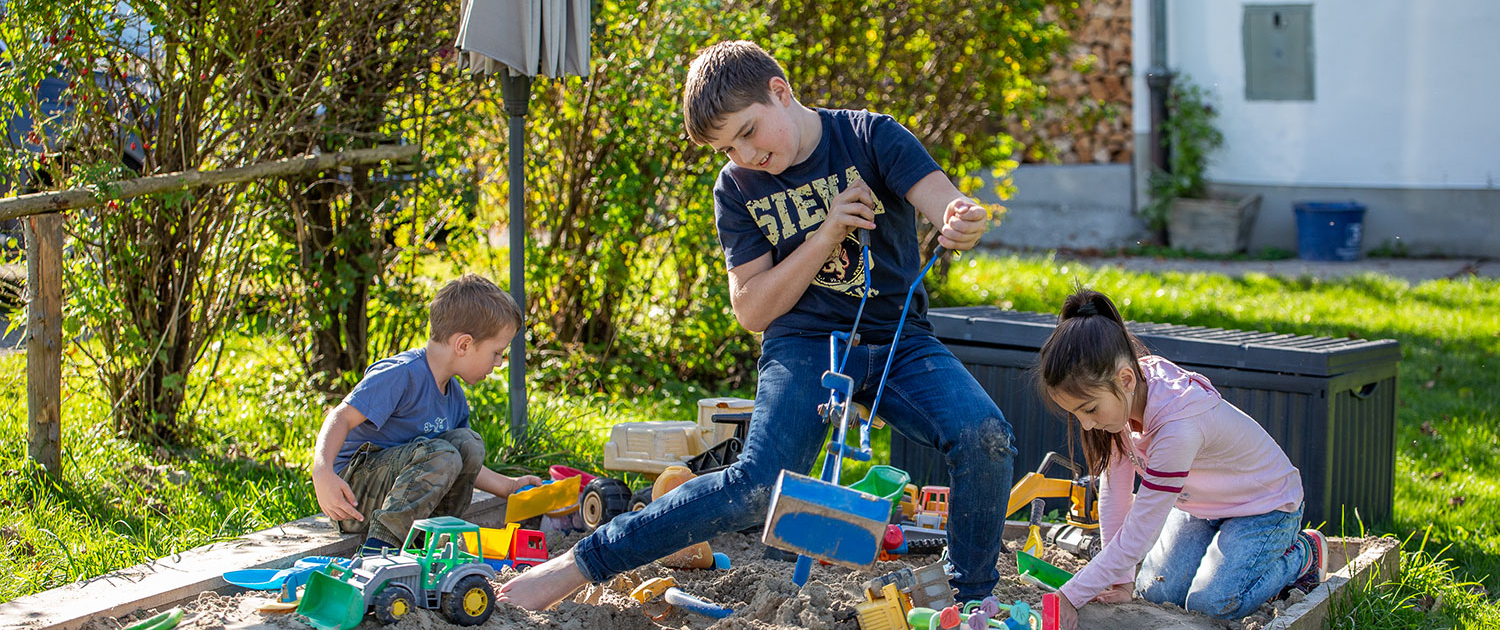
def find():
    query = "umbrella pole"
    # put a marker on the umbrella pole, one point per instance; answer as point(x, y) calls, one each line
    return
point(516, 91)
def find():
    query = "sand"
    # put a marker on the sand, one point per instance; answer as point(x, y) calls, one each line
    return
point(759, 590)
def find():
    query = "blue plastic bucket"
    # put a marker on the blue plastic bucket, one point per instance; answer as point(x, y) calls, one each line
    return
point(1329, 230)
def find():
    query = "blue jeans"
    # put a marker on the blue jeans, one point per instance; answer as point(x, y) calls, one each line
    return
point(929, 397)
point(1223, 567)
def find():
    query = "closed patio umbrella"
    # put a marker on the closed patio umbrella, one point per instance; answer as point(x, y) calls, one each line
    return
point(519, 39)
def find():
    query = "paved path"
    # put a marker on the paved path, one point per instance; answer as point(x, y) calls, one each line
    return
point(11, 342)
point(1410, 269)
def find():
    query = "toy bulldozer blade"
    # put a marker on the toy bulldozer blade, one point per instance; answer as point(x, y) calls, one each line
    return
point(330, 603)
point(1040, 572)
point(826, 521)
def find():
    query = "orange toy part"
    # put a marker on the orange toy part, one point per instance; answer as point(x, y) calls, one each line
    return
point(699, 556)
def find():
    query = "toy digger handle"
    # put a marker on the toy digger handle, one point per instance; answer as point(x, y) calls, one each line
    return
point(1037, 505)
point(681, 599)
point(1054, 458)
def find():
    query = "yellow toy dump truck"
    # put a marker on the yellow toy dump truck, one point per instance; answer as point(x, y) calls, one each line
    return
point(710, 443)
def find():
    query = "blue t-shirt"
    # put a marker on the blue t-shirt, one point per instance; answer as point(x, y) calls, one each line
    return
point(401, 402)
point(757, 212)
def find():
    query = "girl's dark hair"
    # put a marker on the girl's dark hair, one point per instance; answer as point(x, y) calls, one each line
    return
point(1081, 357)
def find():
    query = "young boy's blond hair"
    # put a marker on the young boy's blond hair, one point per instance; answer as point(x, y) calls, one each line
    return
point(725, 78)
point(474, 306)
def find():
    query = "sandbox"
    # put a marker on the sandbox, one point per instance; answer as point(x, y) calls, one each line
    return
point(764, 598)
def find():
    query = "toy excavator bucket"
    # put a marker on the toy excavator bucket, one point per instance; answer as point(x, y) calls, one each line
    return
point(826, 521)
point(1040, 572)
point(330, 603)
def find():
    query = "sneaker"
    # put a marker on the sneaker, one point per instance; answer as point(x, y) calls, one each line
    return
point(1315, 568)
point(376, 547)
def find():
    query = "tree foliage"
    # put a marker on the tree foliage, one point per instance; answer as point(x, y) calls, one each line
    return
point(154, 87)
point(619, 199)
point(347, 240)
point(623, 261)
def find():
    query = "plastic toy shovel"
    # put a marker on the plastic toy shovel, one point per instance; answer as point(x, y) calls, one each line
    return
point(272, 579)
point(1033, 544)
point(666, 590)
point(818, 518)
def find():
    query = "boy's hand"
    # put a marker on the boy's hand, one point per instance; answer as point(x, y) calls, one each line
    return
point(335, 497)
point(1117, 594)
point(523, 481)
point(963, 223)
point(852, 209)
point(502, 485)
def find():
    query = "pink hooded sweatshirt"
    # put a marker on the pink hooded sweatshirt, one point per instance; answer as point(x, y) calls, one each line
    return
point(1197, 452)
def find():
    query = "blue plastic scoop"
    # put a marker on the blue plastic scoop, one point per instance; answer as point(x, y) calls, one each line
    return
point(273, 579)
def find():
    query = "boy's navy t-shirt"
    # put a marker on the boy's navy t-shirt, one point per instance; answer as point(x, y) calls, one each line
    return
point(401, 402)
point(758, 213)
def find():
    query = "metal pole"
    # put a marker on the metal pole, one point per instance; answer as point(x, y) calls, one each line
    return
point(516, 91)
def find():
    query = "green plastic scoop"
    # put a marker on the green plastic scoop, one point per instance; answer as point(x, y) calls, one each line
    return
point(1037, 571)
point(886, 482)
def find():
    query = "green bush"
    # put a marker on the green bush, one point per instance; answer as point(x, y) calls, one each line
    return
point(626, 263)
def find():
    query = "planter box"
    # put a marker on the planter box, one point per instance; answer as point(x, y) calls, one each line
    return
point(1213, 226)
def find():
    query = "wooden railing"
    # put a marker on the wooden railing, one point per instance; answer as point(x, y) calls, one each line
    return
point(44, 281)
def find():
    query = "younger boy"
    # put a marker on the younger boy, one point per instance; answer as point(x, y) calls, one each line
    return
point(400, 443)
point(798, 183)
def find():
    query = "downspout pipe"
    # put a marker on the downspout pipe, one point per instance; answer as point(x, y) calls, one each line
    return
point(1159, 80)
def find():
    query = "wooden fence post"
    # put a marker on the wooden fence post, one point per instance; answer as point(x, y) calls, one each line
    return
point(44, 340)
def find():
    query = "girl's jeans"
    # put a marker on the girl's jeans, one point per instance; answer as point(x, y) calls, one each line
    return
point(1223, 567)
point(929, 397)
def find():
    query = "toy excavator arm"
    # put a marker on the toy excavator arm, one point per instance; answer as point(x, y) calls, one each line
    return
point(1036, 486)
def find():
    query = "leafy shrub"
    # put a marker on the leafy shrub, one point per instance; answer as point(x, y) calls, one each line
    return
point(626, 263)
point(1190, 136)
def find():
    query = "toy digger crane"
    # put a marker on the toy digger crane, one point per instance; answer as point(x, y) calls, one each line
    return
point(1081, 533)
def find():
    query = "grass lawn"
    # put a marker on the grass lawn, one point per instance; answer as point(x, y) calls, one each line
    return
point(118, 504)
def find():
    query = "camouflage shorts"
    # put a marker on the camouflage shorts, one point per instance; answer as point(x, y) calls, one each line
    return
point(425, 477)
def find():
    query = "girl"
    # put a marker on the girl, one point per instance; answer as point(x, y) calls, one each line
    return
point(1215, 522)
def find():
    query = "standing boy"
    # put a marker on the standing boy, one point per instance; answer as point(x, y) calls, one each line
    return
point(400, 444)
point(798, 183)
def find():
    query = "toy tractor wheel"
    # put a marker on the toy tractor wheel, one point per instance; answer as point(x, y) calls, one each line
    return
point(603, 500)
point(393, 604)
point(640, 499)
point(471, 602)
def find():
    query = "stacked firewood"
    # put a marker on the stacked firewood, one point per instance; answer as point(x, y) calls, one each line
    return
point(1090, 121)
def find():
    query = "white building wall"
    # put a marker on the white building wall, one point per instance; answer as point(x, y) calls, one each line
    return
point(1407, 94)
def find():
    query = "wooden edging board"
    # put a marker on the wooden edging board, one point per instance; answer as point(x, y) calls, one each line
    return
point(181, 577)
point(1382, 555)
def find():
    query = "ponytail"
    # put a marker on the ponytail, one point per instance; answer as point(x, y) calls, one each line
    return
point(1080, 357)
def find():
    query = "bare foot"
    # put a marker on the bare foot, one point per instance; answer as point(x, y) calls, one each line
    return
point(544, 585)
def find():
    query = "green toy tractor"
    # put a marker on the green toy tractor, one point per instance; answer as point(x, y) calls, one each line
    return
point(433, 570)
